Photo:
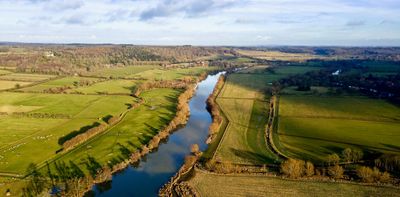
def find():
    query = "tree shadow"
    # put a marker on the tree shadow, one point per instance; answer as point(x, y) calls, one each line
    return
point(92, 166)
point(71, 135)
point(254, 158)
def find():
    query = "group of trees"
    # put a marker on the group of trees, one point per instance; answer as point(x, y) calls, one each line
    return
point(70, 59)
point(161, 84)
point(351, 78)
point(294, 168)
point(212, 106)
point(79, 139)
point(369, 175)
point(41, 115)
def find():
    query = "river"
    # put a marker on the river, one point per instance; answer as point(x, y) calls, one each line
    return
point(158, 167)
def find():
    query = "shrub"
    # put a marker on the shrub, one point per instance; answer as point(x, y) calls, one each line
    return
point(309, 168)
point(347, 154)
point(365, 174)
point(333, 159)
point(385, 177)
point(357, 155)
point(336, 171)
point(293, 168)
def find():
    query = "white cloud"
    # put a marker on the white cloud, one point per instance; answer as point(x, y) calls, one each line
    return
point(208, 22)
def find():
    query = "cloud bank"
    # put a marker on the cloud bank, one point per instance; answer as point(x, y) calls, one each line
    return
point(206, 22)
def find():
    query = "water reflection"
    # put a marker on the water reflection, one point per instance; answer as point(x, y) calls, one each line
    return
point(152, 172)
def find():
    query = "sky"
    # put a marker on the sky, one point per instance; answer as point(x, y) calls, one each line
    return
point(203, 22)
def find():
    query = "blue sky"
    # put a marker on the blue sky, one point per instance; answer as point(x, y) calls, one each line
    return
point(203, 22)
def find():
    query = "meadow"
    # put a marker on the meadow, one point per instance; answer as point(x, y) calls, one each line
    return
point(246, 106)
point(115, 86)
point(120, 72)
point(311, 127)
point(136, 129)
point(20, 136)
point(259, 185)
point(69, 81)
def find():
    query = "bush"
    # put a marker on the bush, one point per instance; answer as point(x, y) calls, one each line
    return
point(293, 168)
point(385, 177)
point(347, 154)
point(333, 159)
point(365, 174)
point(336, 171)
point(309, 168)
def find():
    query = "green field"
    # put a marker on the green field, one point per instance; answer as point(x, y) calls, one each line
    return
point(171, 74)
point(137, 128)
point(25, 77)
point(20, 136)
point(108, 87)
point(121, 72)
point(63, 82)
point(311, 127)
point(210, 185)
point(243, 101)
point(5, 85)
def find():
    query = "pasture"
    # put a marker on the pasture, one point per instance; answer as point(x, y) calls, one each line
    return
point(120, 72)
point(209, 185)
point(5, 85)
point(136, 129)
point(108, 87)
point(311, 127)
point(58, 83)
point(276, 55)
point(243, 101)
point(25, 77)
point(171, 73)
point(22, 135)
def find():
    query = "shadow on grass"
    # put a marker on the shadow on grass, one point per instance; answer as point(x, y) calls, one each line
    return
point(254, 158)
point(71, 135)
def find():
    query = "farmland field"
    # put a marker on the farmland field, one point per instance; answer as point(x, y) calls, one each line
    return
point(312, 127)
point(170, 74)
point(120, 72)
point(137, 128)
point(258, 185)
point(25, 77)
point(4, 85)
point(243, 101)
point(109, 87)
point(20, 135)
point(63, 82)
point(276, 55)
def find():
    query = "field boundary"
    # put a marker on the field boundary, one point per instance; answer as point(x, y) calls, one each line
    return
point(269, 130)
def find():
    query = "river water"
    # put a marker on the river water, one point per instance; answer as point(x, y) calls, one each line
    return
point(158, 167)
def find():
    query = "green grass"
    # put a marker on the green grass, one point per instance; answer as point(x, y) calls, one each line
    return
point(66, 81)
point(121, 72)
point(252, 82)
point(311, 127)
point(22, 138)
point(26, 77)
point(137, 128)
point(171, 74)
point(346, 107)
point(5, 85)
point(243, 141)
point(110, 87)
point(209, 185)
